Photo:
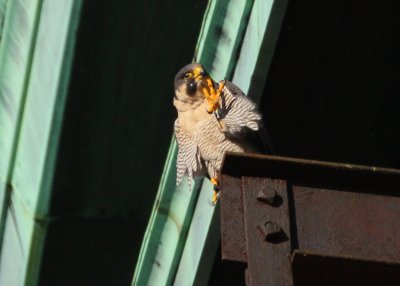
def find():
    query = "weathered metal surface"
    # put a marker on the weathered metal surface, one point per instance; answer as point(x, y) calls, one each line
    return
point(366, 179)
point(267, 195)
point(201, 242)
point(361, 225)
point(18, 39)
point(312, 269)
point(233, 236)
point(258, 46)
point(267, 234)
point(40, 73)
point(345, 217)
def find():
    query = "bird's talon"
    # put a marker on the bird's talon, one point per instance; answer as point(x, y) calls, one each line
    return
point(212, 107)
point(215, 194)
point(214, 198)
point(211, 87)
point(221, 87)
point(205, 91)
point(213, 95)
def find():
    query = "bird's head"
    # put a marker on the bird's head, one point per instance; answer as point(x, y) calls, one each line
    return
point(189, 83)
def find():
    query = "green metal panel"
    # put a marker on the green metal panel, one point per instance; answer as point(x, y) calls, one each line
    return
point(201, 243)
point(16, 50)
point(35, 154)
point(3, 8)
point(259, 46)
point(222, 35)
point(167, 229)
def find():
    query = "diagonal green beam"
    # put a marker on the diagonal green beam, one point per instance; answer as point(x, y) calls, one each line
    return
point(32, 173)
point(3, 8)
point(259, 46)
point(18, 40)
point(174, 208)
point(250, 71)
point(168, 224)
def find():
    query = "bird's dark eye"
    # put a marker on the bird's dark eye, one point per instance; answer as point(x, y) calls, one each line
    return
point(187, 75)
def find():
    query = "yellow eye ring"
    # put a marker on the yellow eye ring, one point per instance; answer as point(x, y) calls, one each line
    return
point(187, 75)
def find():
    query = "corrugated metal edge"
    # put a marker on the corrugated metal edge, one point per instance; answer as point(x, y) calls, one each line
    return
point(167, 228)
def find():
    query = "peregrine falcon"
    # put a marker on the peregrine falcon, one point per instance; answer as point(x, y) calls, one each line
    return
point(213, 118)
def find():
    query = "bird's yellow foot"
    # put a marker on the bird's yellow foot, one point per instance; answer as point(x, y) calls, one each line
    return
point(215, 196)
point(212, 95)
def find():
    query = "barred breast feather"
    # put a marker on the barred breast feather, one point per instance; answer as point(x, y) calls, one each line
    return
point(188, 161)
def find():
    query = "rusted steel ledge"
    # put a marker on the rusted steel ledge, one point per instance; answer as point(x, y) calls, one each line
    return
point(383, 181)
point(315, 269)
point(338, 222)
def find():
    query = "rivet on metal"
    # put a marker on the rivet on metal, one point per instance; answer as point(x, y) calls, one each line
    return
point(267, 195)
point(272, 231)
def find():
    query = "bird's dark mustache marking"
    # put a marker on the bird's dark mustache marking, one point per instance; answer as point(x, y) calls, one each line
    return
point(191, 88)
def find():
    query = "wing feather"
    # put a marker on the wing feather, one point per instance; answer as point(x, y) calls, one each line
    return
point(242, 119)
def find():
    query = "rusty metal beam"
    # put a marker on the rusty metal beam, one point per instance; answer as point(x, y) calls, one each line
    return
point(364, 226)
point(267, 232)
point(274, 208)
point(233, 236)
point(312, 269)
point(367, 179)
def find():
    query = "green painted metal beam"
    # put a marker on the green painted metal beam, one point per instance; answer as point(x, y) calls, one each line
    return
point(201, 243)
point(3, 8)
point(31, 177)
point(259, 46)
point(18, 40)
point(168, 226)
point(221, 36)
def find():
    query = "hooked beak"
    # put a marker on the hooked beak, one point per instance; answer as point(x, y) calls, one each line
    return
point(199, 74)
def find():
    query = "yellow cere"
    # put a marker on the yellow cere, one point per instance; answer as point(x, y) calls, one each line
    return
point(197, 73)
